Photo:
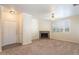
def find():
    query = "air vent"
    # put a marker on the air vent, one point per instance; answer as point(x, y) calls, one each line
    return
point(75, 4)
point(52, 15)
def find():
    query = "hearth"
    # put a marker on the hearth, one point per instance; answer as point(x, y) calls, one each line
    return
point(44, 34)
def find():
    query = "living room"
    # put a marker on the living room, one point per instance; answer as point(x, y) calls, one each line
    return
point(39, 29)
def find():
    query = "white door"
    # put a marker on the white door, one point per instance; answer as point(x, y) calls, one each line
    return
point(9, 33)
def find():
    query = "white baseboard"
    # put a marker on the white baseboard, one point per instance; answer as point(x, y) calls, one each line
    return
point(35, 39)
point(29, 42)
point(73, 41)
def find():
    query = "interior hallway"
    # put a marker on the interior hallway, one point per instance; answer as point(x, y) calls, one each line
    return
point(44, 47)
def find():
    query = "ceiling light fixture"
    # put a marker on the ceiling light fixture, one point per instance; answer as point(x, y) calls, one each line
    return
point(12, 12)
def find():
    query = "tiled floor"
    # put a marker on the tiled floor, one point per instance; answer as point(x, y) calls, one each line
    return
point(44, 47)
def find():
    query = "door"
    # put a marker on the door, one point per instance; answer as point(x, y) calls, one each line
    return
point(9, 32)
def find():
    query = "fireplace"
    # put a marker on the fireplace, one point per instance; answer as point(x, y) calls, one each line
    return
point(44, 34)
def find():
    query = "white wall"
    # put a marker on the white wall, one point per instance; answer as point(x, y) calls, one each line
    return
point(27, 28)
point(19, 28)
point(73, 35)
point(35, 29)
point(8, 20)
point(45, 25)
point(0, 31)
point(9, 24)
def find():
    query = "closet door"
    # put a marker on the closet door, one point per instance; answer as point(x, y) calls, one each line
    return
point(9, 32)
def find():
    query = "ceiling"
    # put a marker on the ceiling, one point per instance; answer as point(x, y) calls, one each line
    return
point(37, 10)
point(44, 10)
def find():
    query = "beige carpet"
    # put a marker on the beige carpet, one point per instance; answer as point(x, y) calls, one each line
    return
point(44, 47)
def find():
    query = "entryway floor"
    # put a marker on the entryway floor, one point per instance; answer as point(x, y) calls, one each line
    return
point(44, 47)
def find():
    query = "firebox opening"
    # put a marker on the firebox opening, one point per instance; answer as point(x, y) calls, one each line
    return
point(44, 34)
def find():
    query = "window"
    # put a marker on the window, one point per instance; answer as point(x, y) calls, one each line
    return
point(61, 26)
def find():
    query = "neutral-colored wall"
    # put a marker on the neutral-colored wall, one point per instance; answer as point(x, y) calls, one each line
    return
point(27, 28)
point(9, 20)
point(73, 35)
point(6, 16)
point(19, 27)
point(45, 25)
point(35, 29)
point(0, 29)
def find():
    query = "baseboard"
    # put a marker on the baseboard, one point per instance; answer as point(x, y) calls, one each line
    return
point(35, 39)
point(29, 42)
point(67, 41)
